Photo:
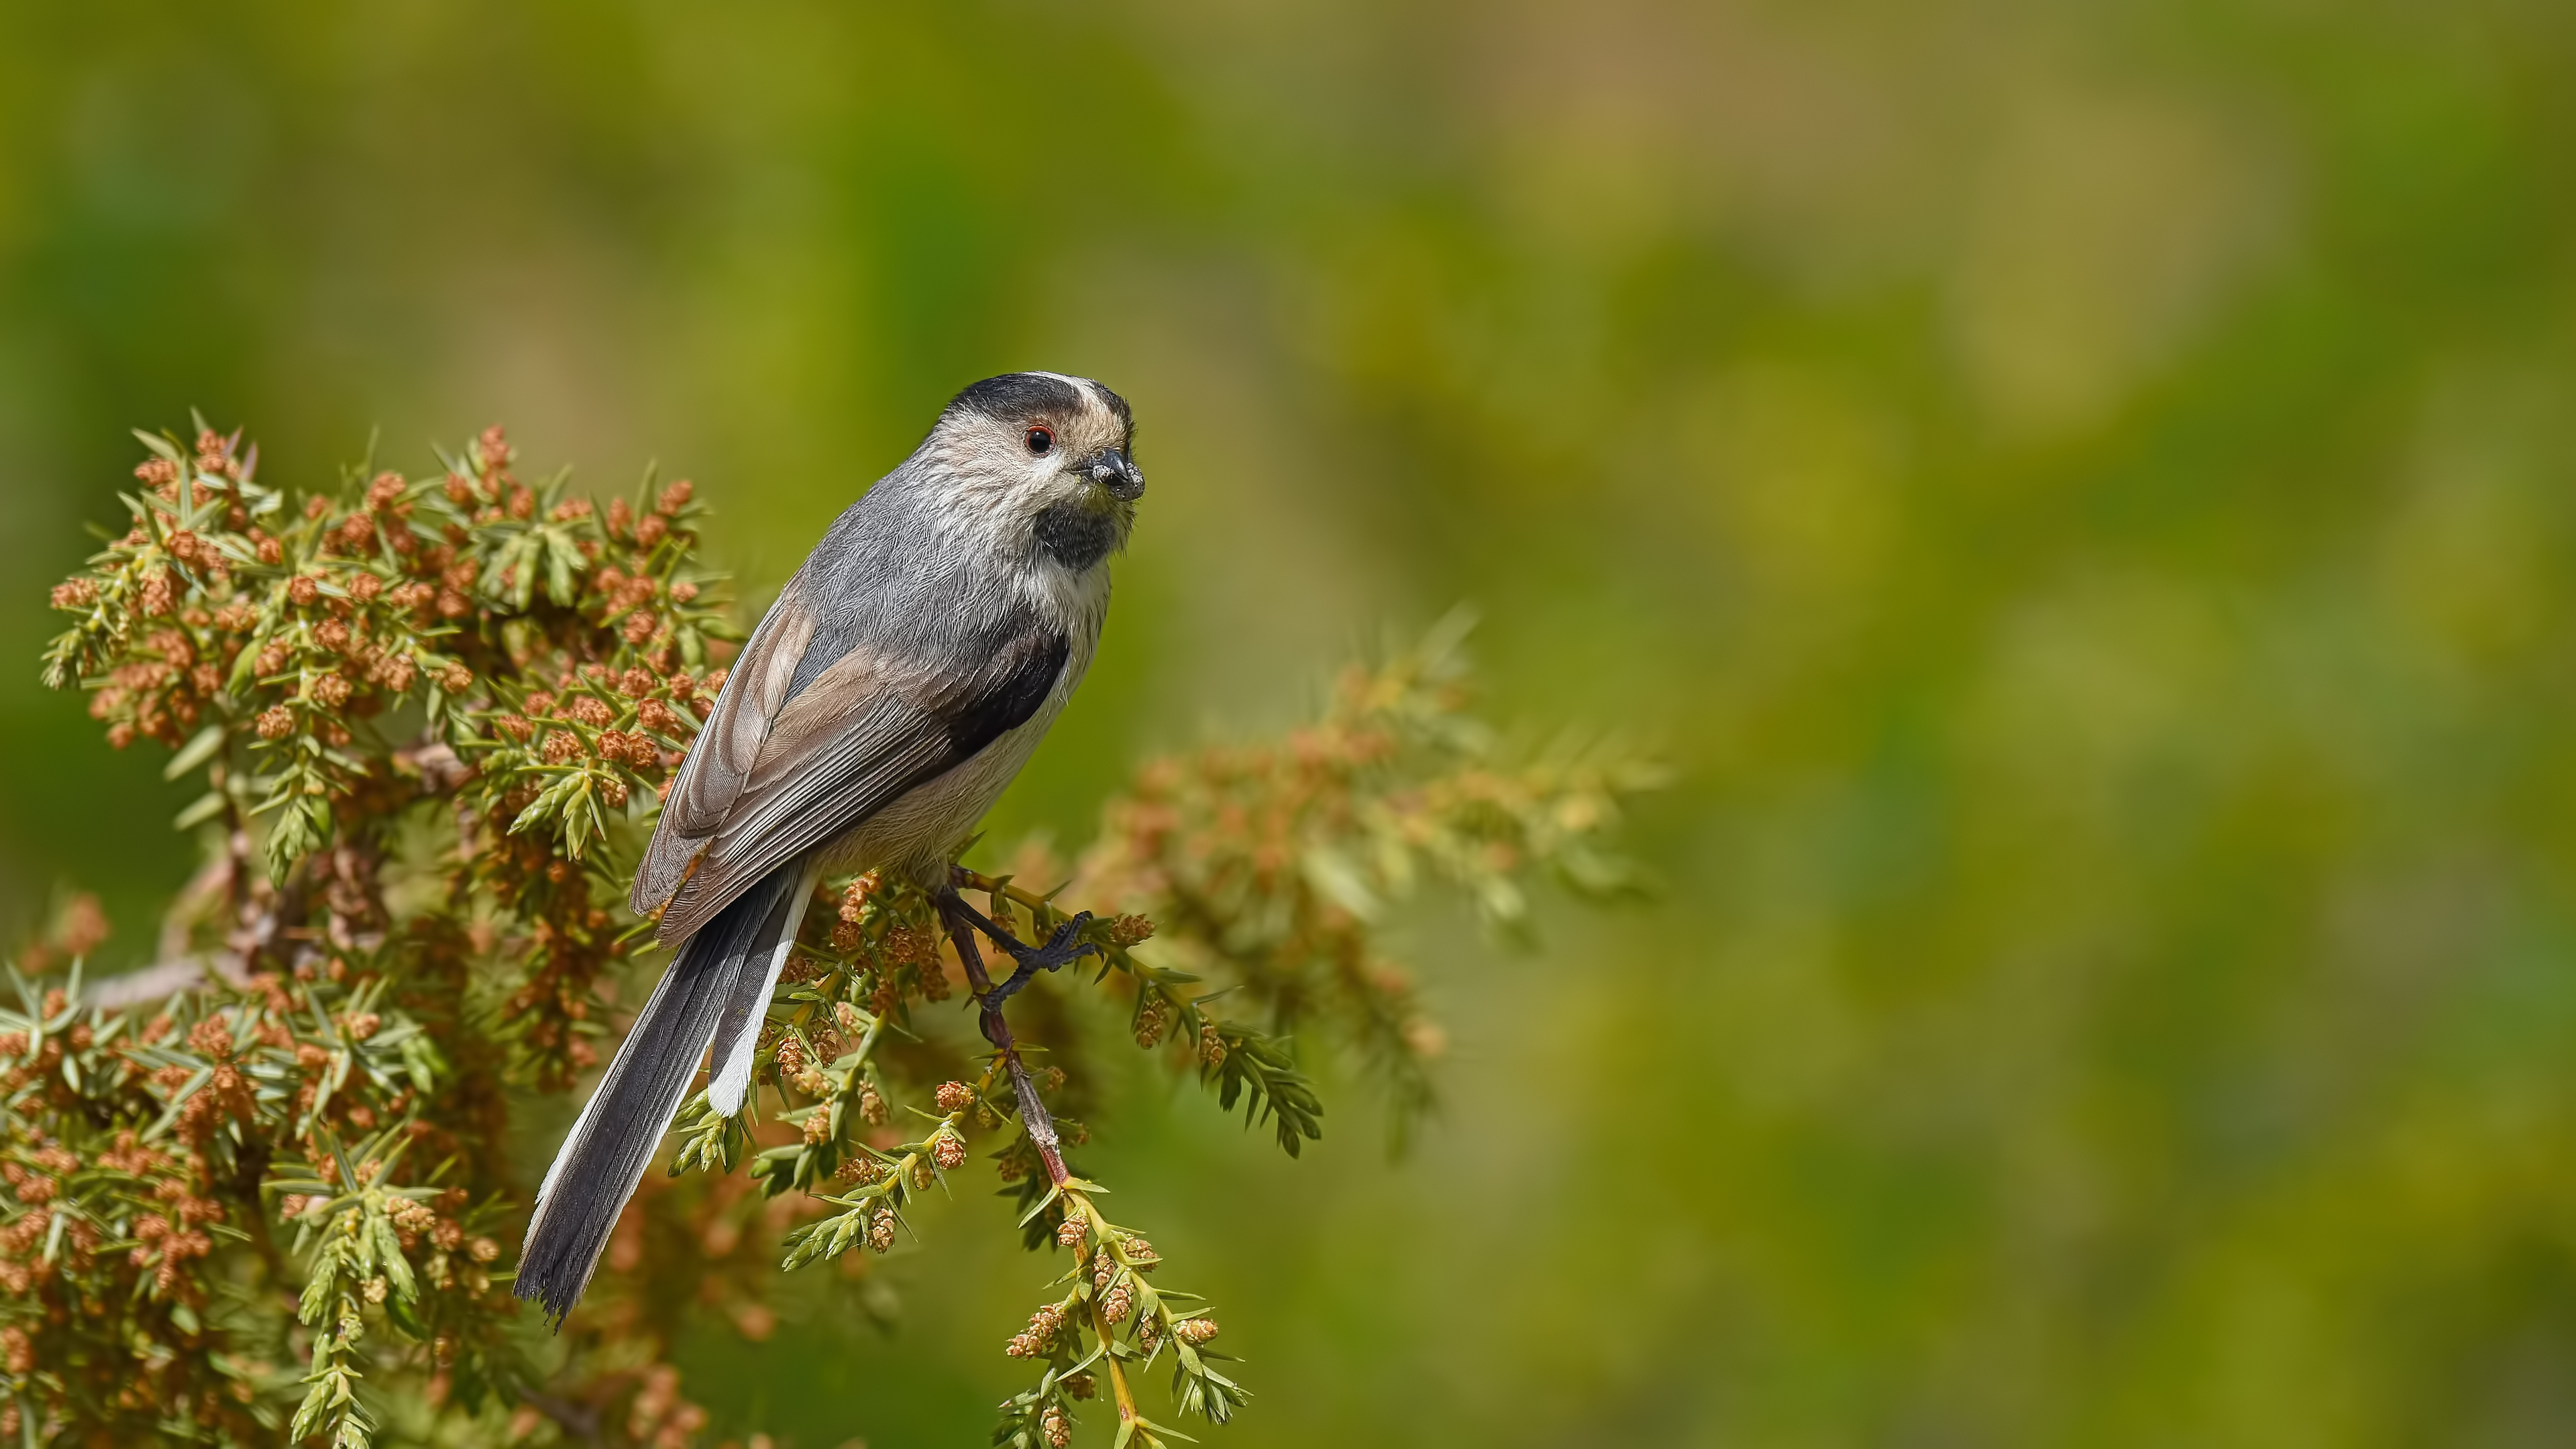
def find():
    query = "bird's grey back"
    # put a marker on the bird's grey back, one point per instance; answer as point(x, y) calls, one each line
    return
point(873, 583)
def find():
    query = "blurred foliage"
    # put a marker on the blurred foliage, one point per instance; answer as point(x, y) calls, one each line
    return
point(2083, 490)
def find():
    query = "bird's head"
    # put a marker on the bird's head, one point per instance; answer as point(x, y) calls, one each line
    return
point(1048, 456)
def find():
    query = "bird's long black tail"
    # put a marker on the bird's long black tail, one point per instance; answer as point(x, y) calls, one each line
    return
point(612, 1144)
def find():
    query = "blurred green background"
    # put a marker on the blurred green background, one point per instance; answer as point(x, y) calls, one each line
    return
point(2083, 492)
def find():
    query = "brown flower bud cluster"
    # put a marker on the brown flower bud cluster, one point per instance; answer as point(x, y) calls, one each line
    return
point(891, 954)
point(1034, 1340)
point(165, 1246)
point(659, 1417)
point(613, 721)
point(911, 946)
point(796, 1070)
point(847, 932)
point(77, 930)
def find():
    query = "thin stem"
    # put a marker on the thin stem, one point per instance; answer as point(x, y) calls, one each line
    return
point(1118, 1389)
point(867, 1046)
point(977, 880)
point(1034, 1117)
point(899, 1179)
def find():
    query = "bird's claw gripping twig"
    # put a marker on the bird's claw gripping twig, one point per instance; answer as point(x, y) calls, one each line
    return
point(964, 922)
point(1060, 950)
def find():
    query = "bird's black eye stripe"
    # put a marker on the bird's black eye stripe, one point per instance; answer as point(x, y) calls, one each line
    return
point(1040, 440)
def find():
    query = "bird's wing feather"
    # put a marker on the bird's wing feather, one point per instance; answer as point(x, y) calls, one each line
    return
point(728, 747)
point(858, 736)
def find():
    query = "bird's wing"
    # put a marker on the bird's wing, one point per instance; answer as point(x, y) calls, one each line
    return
point(858, 735)
point(721, 759)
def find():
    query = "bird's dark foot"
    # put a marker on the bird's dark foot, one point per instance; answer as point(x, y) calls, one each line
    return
point(1061, 949)
point(964, 922)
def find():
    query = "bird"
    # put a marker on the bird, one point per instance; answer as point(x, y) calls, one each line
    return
point(896, 686)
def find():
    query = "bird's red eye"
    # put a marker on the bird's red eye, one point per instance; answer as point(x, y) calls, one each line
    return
point(1040, 440)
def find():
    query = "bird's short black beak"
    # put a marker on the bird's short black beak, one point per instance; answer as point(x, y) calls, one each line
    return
point(1112, 469)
